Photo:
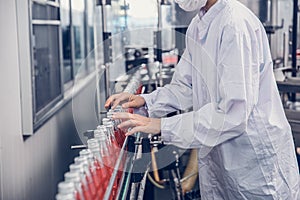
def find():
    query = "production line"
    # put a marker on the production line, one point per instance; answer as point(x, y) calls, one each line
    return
point(146, 99)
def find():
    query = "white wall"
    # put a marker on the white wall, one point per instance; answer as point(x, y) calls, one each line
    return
point(9, 87)
point(29, 168)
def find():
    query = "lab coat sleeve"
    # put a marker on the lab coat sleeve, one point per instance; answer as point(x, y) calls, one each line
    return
point(226, 118)
point(175, 96)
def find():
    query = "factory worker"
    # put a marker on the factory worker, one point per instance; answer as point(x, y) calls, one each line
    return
point(244, 142)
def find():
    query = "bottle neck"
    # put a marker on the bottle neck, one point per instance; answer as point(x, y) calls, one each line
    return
point(103, 147)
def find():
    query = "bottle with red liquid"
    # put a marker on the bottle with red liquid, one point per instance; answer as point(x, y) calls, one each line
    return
point(87, 194)
point(88, 176)
point(116, 152)
point(107, 159)
point(134, 83)
point(122, 133)
point(74, 177)
point(103, 129)
point(86, 153)
point(66, 191)
point(111, 147)
point(102, 172)
point(111, 134)
point(119, 134)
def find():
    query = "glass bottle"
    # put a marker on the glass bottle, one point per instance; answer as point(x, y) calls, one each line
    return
point(85, 189)
point(88, 176)
point(102, 171)
point(74, 177)
point(66, 190)
point(92, 167)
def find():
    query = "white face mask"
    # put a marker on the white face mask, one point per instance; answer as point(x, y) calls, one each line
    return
point(191, 5)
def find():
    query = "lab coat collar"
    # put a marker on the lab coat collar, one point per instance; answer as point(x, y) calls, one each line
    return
point(205, 18)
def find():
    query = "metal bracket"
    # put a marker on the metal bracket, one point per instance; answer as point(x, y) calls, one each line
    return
point(271, 29)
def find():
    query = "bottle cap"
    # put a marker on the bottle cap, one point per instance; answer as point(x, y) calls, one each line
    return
point(66, 187)
point(60, 196)
point(100, 135)
point(105, 121)
point(73, 177)
point(104, 130)
point(85, 153)
point(94, 147)
point(91, 143)
point(81, 160)
point(97, 131)
point(96, 153)
point(109, 115)
point(99, 127)
point(119, 108)
point(76, 168)
point(109, 125)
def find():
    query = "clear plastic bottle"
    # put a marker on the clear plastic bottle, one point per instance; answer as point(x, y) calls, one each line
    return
point(74, 177)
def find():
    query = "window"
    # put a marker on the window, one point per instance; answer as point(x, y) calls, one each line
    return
point(90, 36)
point(55, 38)
point(61, 39)
point(66, 40)
point(45, 51)
point(78, 25)
point(46, 65)
point(78, 38)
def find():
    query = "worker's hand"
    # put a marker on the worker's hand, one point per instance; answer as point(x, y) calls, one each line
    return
point(133, 101)
point(138, 123)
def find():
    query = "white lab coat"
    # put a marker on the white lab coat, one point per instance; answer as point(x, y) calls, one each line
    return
point(245, 144)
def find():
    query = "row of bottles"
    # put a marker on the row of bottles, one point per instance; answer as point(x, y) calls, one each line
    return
point(134, 86)
point(91, 172)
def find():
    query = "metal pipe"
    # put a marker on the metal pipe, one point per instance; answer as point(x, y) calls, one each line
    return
point(284, 56)
point(107, 80)
point(274, 22)
point(107, 43)
point(188, 176)
point(294, 45)
point(78, 146)
point(274, 12)
point(178, 193)
point(159, 17)
point(97, 64)
point(142, 186)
